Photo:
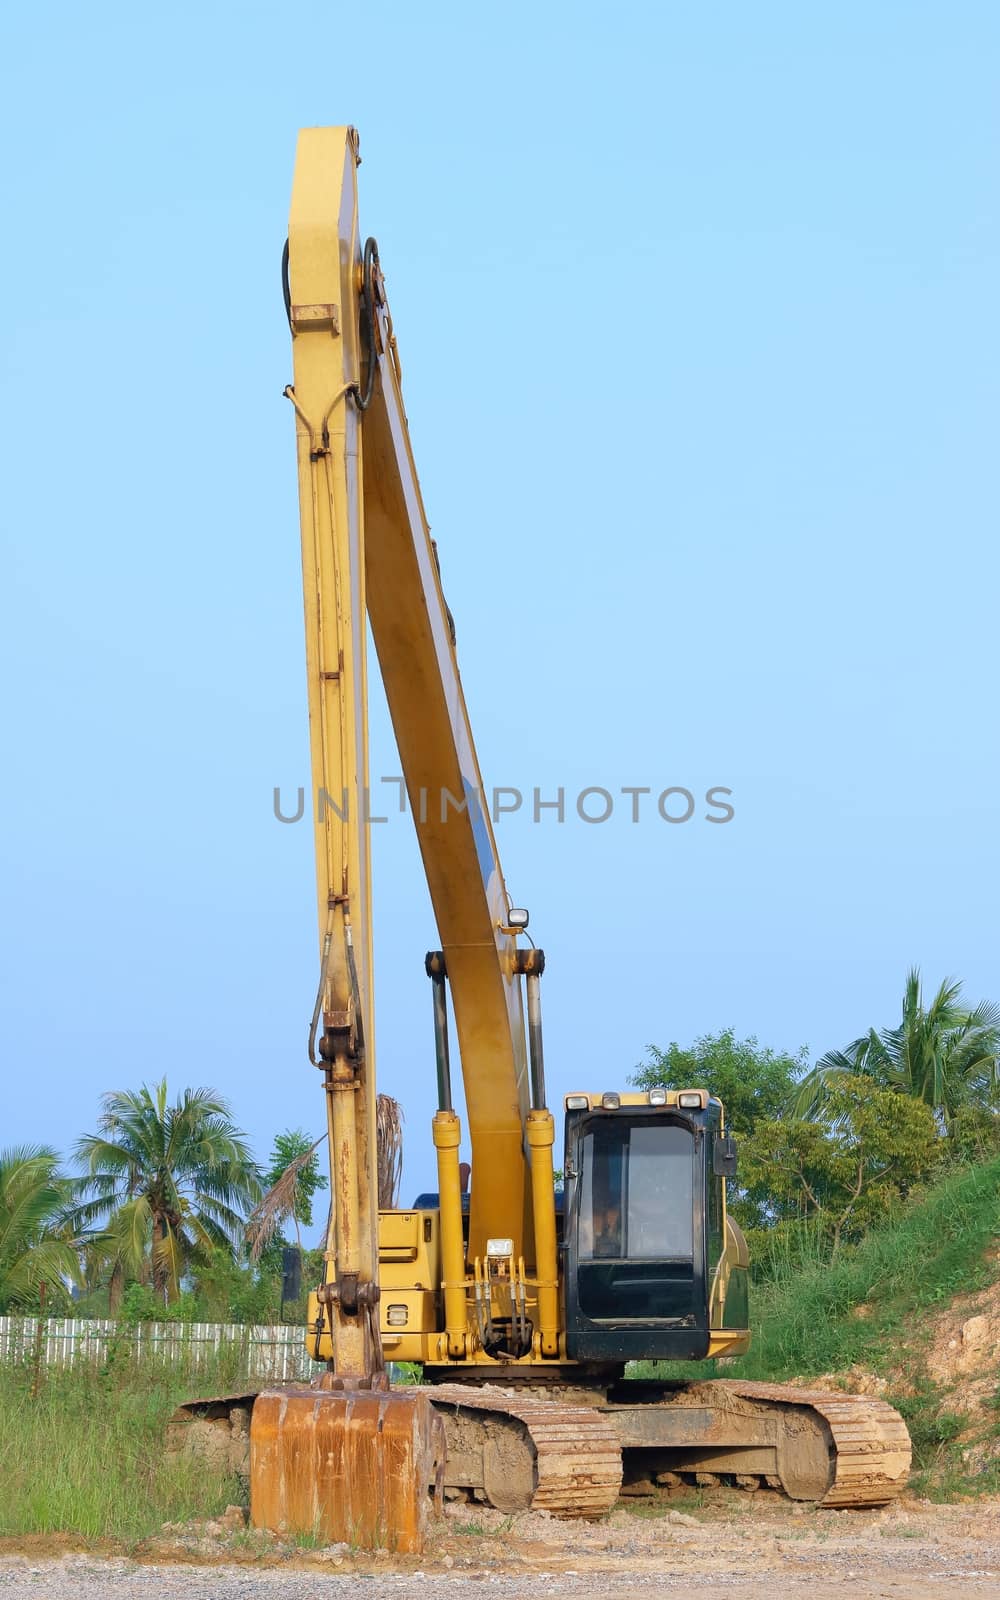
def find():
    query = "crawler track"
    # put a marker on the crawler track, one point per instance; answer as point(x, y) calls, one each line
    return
point(870, 1447)
point(571, 1460)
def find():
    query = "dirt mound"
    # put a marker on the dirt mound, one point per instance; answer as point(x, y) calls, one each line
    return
point(964, 1359)
point(965, 1341)
point(856, 1380)
point(949, 1365)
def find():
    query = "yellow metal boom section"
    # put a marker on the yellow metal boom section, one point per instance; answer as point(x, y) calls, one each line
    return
point(366, 544)
point(323, 256)
point(419, 668)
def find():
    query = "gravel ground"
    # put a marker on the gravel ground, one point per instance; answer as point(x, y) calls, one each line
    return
point(76, 1579)
point(909, 1552)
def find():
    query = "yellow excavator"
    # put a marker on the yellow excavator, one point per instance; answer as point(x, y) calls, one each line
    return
point(521, 1302)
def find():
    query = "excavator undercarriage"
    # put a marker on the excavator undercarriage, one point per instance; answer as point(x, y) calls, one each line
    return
point(352, 1467)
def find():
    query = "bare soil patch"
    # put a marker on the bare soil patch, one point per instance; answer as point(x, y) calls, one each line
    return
point(751, 1544)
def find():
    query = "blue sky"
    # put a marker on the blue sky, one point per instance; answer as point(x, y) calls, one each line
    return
point(698, 317)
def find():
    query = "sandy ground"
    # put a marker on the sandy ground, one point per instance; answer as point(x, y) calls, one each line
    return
point(759, 1548)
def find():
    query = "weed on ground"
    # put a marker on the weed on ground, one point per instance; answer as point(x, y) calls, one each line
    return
point(85, 1455)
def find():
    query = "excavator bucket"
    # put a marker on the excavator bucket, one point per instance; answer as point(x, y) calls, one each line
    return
point(353, 1465)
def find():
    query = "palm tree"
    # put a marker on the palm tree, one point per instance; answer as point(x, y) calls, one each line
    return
point(34, 1249)
point(943, 1054)
point(163, 1182)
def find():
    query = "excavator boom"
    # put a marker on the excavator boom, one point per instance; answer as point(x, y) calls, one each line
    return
point(413, 635)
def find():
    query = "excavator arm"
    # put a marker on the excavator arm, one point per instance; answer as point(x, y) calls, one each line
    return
point(321, 276)
point(366, 546)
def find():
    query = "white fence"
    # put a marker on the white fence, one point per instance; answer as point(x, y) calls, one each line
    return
point(273, 1354)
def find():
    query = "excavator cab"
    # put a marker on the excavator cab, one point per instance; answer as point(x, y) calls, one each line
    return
point(646, 1270)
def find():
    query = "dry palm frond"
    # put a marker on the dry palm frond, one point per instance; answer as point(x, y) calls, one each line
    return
point(278, 1204)
point(389, 1144)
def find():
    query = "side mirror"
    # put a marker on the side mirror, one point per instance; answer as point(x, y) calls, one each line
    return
point(724, 1156)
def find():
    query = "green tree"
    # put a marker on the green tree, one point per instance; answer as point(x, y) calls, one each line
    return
point(230, 1289)
point(974, 1134)
point(163, 1182)
point(944, 1054)
point(290, 1183)
point(35, 1246)
point(752, 1081)
point(847, 1173)
point(291, 1147)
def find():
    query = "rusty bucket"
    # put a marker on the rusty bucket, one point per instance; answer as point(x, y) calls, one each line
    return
point(353, 1465)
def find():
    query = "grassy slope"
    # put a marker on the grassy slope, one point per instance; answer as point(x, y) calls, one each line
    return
point(935, 1251)
point(807, 1324)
